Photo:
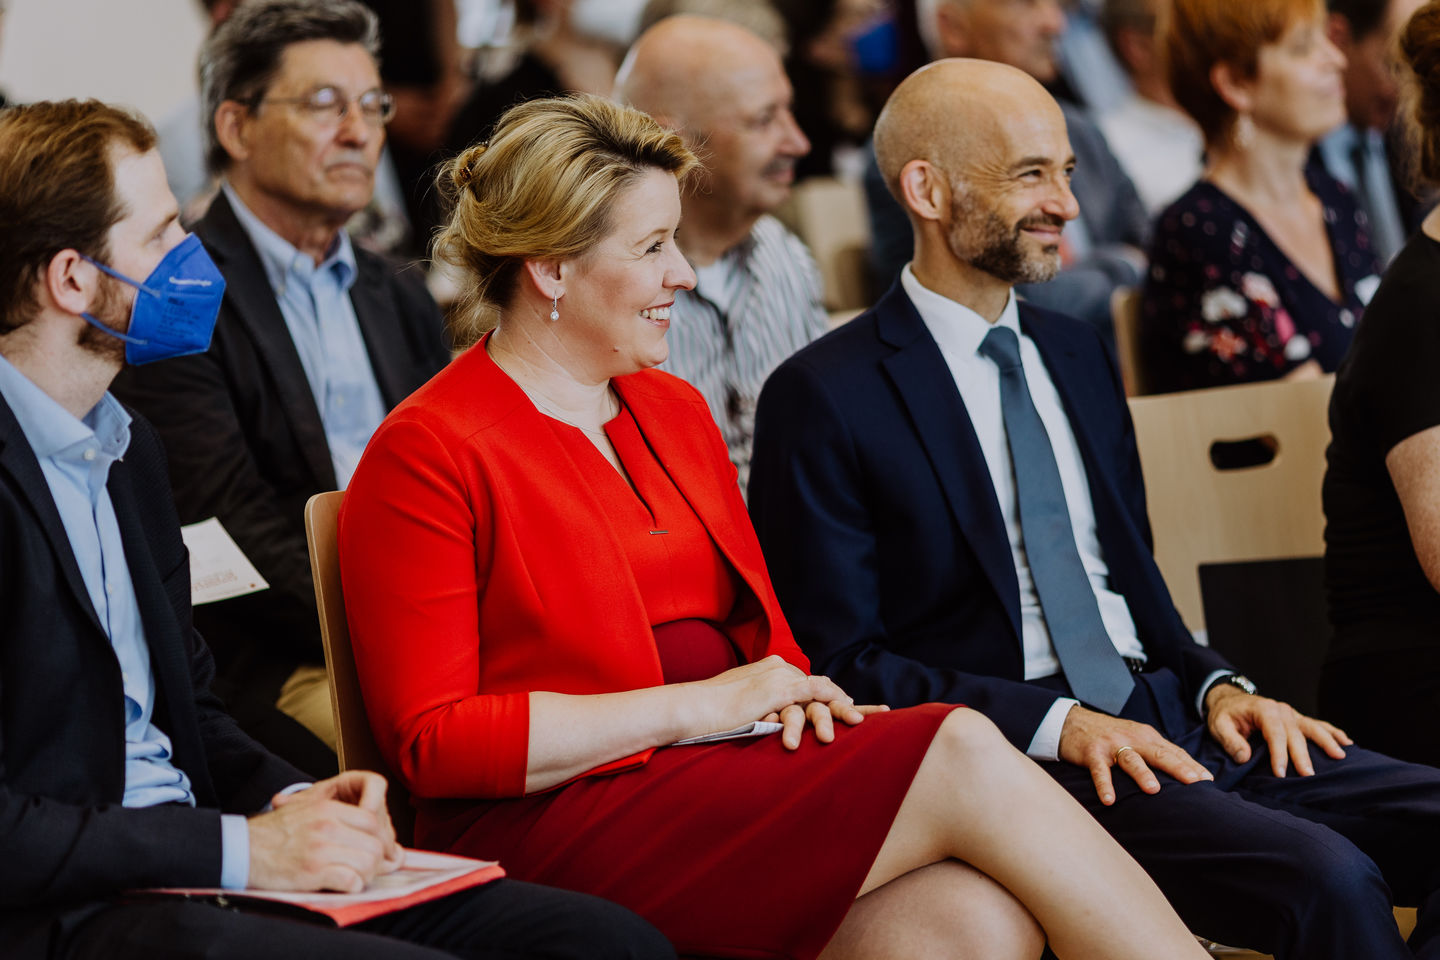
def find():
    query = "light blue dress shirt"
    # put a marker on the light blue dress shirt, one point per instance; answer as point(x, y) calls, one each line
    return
point(315, 301)
point(75, 457)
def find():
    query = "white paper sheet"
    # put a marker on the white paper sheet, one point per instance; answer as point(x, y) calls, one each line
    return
point(218, 569)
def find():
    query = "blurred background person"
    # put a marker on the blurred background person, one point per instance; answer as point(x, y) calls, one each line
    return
point(757, 298)
point(1102, 248)
point(1382, 488)
point(1359, 153)
point(1156, 142)
point(382, 225)
point(843, 61)
point(1263, 268)
point(316, 340)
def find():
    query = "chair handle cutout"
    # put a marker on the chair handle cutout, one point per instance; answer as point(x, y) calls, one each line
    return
point(1244, 454)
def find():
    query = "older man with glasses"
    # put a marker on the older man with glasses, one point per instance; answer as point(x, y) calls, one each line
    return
point(316, 340)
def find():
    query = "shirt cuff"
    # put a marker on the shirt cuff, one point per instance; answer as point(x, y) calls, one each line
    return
point(1210, 681)
point(235, 844)
point(234, 852)
point(1045, 745)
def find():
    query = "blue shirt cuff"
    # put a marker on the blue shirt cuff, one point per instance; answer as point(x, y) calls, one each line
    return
point(234, 852)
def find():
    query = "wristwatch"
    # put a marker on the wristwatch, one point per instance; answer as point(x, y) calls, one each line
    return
point(1239, 680)
point(1231, 679)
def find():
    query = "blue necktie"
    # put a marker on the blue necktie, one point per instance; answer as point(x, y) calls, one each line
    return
point(1096, 672)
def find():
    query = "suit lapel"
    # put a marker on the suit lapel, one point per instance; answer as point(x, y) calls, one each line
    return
point(252, 302)
point(377, 317)
point(18, 459)
point(927, 388)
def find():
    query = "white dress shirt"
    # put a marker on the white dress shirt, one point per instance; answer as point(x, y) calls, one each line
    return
point(958, 331)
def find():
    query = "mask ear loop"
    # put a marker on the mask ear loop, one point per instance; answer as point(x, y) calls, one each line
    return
point(103, 328)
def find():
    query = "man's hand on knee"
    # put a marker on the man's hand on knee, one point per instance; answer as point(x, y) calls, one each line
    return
point(1098, 742)
point(1232, 715)
point(335, 835)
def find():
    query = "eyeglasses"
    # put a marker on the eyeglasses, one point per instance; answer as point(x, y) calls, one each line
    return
point(329, 106)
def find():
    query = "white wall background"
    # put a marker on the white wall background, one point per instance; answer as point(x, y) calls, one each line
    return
point(137, 52)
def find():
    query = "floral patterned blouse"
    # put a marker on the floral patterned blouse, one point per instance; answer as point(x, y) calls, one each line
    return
point(1222, 304)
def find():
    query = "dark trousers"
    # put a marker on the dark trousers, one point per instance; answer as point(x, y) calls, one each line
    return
point(503, 920)
point(1302, 867)
point(1388, 701)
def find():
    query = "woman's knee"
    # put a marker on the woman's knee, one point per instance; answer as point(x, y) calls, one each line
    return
point(969, 737)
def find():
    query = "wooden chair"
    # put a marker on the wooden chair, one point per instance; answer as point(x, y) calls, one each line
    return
point(1202, 515)
point(1256, 531)
point(829, 215)
point(357, 748)
point(1125, 314)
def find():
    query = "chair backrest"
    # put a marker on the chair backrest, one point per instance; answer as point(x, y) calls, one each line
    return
point(1125, 315)
point(1202, 513)
point(829, 215)
point(357, 748)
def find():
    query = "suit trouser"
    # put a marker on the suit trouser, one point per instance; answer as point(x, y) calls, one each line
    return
point(503, 920)
point(1301, 867)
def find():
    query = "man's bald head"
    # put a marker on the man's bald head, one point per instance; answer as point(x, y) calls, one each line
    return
point(958, 113)
point(977, 154)
point(725, 90)
point(685, 67)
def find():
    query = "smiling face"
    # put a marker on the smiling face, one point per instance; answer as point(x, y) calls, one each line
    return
point(311, 162)
point(616, 306)
point(1011, 203)
point(746, 135)
point(1298, 90)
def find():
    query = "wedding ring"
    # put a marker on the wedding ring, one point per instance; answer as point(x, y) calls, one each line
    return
point(1115, 758)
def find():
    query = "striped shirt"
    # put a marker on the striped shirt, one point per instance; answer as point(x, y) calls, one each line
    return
point(749, 311)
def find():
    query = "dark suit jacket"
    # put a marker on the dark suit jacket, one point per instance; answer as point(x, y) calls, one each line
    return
point(246, 443)
point(882, 531)
point(1110, 207)
point(65, 840)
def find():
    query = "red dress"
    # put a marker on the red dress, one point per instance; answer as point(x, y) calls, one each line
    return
point(735, 849)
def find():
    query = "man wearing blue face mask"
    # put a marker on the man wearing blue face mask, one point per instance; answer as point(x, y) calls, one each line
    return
point(118, 767)
point(317, 339)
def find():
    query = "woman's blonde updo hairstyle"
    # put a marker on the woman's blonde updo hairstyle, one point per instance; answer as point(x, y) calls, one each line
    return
point(543, 188)
point(1420, 93)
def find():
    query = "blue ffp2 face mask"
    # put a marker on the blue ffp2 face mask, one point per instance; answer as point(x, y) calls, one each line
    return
point(175, 308)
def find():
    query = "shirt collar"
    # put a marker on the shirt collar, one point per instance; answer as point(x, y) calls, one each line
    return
point(51, 430)
point(955, 327)
point(282, 260)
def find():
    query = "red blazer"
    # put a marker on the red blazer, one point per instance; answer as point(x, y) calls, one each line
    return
point(478, 567)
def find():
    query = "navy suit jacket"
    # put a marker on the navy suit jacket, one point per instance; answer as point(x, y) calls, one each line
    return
point(880, 525)
point(65, 840)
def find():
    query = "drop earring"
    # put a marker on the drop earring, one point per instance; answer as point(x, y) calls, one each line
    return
point(554, 308)
point(1244, 131)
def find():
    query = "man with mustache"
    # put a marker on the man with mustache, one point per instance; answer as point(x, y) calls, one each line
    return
point(951, 506)
point(316, 340)
point(757, 295)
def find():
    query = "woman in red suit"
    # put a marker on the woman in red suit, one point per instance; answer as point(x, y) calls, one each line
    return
point(550, 577)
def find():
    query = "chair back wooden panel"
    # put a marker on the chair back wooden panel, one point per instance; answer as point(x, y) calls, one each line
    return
point(1125, 315)
point(829, 215)
point(1201, 514)
point(357, 748)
